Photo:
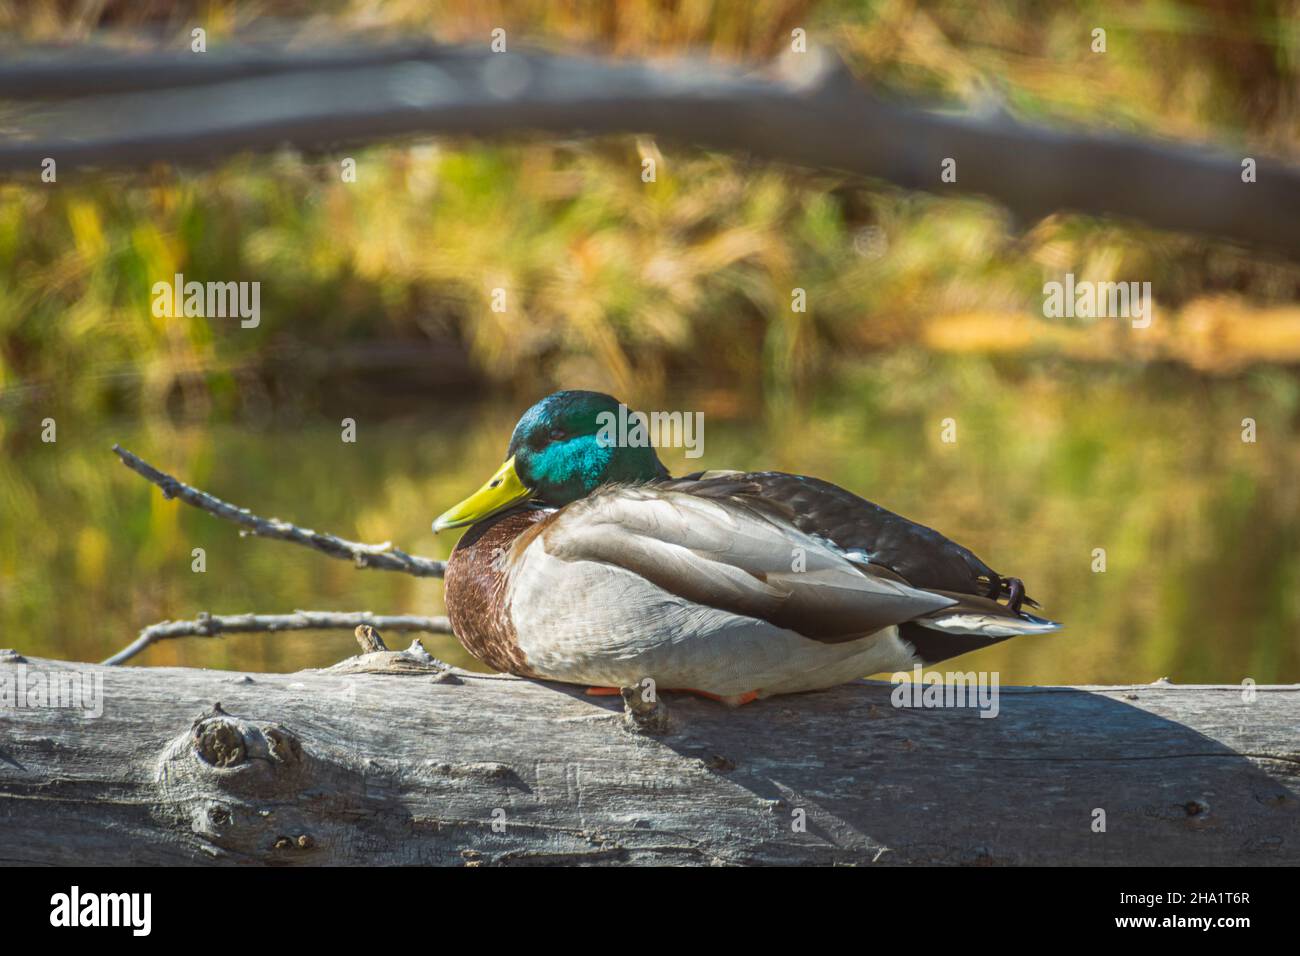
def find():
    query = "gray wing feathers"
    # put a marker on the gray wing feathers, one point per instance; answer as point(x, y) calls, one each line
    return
point(726, 554)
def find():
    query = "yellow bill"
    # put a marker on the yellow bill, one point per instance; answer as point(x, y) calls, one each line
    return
point(502, 490)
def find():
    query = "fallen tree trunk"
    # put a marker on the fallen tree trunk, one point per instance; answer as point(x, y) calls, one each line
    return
point(392, 758)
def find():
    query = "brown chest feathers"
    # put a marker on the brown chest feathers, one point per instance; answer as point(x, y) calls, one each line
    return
point(475, 588)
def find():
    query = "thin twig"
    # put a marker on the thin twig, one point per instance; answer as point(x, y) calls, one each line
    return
point(215, 625)
point(382, 556)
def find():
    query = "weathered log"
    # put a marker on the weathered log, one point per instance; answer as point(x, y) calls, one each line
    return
point(393, 758)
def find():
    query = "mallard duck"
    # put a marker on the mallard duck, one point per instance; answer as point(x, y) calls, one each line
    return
point(587, 563)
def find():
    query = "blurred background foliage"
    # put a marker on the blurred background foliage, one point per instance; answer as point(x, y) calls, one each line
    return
point(1073, 434)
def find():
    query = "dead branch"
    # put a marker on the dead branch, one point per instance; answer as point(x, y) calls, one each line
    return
point(217, 625)
point(384, 556)
point(87, 108)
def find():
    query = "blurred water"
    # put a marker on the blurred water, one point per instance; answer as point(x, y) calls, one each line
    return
point(1199, 529)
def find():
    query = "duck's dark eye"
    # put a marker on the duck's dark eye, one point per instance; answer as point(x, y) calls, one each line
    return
point(558, 434)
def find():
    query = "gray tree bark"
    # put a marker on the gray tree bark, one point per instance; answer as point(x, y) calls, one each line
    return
point(392, 758)
point(94, 108)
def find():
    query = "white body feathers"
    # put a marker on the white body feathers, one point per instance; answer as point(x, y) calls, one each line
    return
point(586, 607)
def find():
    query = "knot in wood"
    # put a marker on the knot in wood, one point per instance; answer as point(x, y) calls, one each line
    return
point(219, 817)
point(219, 743)
point(303, 841)
point(283, 745)
point(221, 740)
point(644, 712)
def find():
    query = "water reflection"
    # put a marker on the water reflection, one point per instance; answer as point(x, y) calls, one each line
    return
point(1052, 466)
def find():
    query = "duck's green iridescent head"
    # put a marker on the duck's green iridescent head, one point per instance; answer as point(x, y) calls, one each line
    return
point(562, 449)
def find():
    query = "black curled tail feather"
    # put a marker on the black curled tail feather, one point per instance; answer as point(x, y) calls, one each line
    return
point(932, 646)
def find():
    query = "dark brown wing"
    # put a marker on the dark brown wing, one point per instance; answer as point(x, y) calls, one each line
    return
point(886, 545)
point(923, 557)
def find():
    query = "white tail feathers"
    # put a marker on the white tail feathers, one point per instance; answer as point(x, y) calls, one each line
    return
point(988, 625)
